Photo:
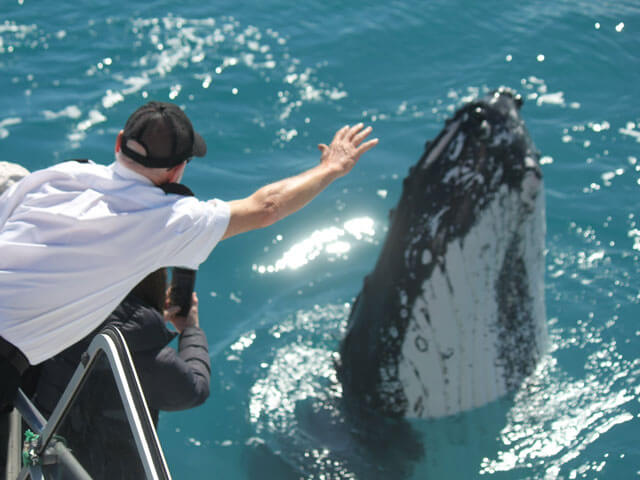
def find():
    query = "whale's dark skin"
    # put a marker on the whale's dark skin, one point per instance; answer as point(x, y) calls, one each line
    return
point(495, 151)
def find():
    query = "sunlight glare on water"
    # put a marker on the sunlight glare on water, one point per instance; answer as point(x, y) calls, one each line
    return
point(325, 240)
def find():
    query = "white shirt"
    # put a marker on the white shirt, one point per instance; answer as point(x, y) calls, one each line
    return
point(76, 238)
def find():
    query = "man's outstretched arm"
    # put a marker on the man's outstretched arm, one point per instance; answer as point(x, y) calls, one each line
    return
point(277, 200)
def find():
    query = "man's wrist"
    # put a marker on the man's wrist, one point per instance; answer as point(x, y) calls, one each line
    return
point(329, 172)
point(187, 327)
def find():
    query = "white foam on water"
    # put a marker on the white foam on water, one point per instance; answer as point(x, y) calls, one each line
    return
point(72, 111)
point(4, 133)
point(555, 418)
point(209, 50)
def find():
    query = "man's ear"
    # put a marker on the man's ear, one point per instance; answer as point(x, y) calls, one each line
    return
point(119, 140)
point(175, 173)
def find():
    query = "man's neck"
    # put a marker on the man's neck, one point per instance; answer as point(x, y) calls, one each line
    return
point(153, 175)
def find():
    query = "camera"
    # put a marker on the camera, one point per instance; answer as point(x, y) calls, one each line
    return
point(182, 283)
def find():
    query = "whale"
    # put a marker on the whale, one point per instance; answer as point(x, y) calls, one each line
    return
point(452, 316)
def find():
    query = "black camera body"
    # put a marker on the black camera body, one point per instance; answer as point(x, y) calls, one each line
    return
point(183, 281)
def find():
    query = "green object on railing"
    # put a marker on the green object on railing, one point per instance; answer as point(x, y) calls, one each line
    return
point(29, 455)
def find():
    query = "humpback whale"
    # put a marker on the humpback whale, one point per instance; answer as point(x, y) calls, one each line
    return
point(453, 315)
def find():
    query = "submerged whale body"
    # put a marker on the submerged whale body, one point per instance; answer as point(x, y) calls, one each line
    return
point(453, 315)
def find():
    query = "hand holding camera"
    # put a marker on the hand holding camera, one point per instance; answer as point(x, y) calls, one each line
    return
point(182, 302)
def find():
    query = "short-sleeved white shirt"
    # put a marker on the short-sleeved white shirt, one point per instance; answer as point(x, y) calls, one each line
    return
point(75, 238)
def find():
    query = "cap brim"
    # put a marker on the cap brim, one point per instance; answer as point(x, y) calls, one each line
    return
point(199, 145)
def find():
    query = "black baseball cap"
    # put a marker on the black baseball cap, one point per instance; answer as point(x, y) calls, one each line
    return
point(166, 134)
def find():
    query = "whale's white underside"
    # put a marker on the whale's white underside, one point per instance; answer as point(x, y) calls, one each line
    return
point(451, 363)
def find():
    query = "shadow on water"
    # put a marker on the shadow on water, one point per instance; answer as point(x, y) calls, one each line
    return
point(326, 443)
point(323, 441)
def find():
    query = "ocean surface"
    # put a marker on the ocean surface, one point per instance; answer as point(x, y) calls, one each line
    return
point(265, 82)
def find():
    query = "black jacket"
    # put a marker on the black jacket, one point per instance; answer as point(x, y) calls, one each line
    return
point(170, 379)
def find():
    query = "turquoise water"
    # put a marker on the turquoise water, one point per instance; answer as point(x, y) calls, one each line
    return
point(265, 83)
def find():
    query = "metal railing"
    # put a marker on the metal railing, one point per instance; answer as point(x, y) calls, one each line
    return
point(54, 452)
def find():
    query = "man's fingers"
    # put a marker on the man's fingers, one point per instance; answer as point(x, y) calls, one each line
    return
point(366, 146)
point(355, 134)
point(354, 130)
point(357, 139)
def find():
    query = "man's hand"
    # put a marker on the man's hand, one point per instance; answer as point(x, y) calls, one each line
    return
point(275, 201)
point(191, 320)
point(346, 148)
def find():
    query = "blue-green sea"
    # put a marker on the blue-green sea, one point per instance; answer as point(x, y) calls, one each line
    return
point(265, 82)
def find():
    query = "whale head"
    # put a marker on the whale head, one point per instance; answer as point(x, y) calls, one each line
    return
point(453, 314)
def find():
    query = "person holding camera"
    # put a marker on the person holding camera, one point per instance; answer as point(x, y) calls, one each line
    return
point(170, 379)
point(77, 237)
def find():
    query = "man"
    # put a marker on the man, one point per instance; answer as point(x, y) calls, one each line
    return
point(77, 237)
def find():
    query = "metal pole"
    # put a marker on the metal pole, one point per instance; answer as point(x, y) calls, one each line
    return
point(29, 412)
point(14, 446)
